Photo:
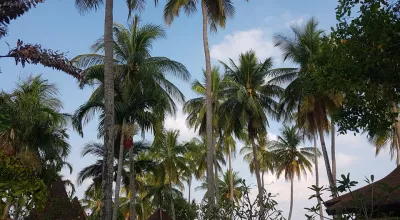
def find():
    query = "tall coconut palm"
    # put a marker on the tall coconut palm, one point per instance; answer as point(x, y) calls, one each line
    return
point(131, 112)
point(139, 76)
point(225, 188)
point(84, 6)
point(214, 15)
point(198, 148)
point(292, 160)
point(191, 169)
point(313, 109)
point(196, 109)
point(169, 154)
point(230, 187)
point(95, 172)
point(248, 99)
point(265, 158)
point(229, 149)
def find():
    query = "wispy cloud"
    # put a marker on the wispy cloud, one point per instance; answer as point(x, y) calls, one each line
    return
point(257, 39)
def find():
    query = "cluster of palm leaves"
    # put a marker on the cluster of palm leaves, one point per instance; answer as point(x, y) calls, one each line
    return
point(33, 129)
point(143, 98)
point(242, 103)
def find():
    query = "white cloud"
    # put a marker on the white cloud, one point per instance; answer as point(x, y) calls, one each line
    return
point(272, 137)
point(344, 160)
point(257, 39)
point(353, 141)
point(179, 122)
point(297, 22)
point(269, 19)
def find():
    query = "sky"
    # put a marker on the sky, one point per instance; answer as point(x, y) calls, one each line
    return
point(58, 25)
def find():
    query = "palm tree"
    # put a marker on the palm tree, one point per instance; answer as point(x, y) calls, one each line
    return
point(95, 172)
point(196, 109)
point(33, 129)
point(312, 109)
point(83, 6)
point(389, 138)
point(198, 149)
point(141, 83)
point(214, 13)
point(264, 156)
point(247, 99)
point(92, 199)
point(230, 187)
point(37, 127)
point(169, 154)
point(225, 188)
point(161, 192)
point(291, 160)
point(191, 169)
point(229, 149)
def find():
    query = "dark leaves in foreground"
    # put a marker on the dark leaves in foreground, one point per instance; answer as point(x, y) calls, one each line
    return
point(34, 54)
point(12, 9)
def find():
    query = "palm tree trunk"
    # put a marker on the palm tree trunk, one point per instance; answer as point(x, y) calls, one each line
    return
point(262, 178)
point(333, 150)
point(216, 179)
point(209, 126)
point(397, 132)
point(230, 176)
point(172, 199)
point(291, 198)
point(17, 210)
point(132, 188)
point(108, 168)
point(142, 207)
point(6, 210)
point(397, 152)
point(257, 173)
point(231, 181)
point(119, 172)
point(190, 187)
point(397, 122)
point(321, 212)
point(326, 158)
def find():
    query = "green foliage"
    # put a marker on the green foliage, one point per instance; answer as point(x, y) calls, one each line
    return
point(35, 129)
point(247, 96)
point(21, 181)
point(246, 209)
point(143, 93)
point(364, 64)
point(290, 159)
point(224, 187)
point(183, 209)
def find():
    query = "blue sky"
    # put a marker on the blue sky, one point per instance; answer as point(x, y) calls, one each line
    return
point(59, 26)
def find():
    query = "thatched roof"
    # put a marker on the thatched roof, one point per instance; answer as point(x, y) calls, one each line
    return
point(159, 215)
point(387, 203)
point(58, 206)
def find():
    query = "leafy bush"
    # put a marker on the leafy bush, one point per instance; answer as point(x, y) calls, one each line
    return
point(247, 209)
point(20, 184)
